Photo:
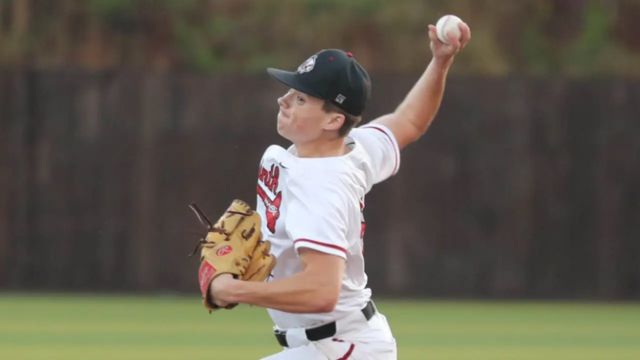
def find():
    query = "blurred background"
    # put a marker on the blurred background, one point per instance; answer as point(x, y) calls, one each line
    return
point(116, 114)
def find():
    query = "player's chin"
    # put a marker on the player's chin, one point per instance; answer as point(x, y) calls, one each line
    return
point(281, 129)
point(282, 121)
point(285, 132)
point(282, 116)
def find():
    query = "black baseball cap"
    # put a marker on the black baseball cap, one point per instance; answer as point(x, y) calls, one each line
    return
point(332, 75)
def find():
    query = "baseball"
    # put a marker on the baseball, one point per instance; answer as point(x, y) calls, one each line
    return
point(448, 26)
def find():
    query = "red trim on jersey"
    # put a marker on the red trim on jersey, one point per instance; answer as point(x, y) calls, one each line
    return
point(348, 353)
point(395, 151)
point(323, 244)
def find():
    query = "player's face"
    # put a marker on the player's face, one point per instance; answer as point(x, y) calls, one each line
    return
point(301, 118)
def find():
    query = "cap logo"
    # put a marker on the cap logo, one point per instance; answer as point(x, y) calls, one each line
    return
point(340, 98)
point(307, 65)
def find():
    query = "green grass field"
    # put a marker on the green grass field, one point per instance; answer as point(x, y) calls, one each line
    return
point(164, 327)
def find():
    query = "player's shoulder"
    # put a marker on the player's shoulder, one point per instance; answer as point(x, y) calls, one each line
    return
point(274, 154)
point(371, 131)
point(381, 151)
point(372, 140)
point(274, 150)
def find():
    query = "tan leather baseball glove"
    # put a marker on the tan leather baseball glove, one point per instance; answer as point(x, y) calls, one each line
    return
point(232, 245)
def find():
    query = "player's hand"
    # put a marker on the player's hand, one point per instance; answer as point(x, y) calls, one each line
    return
point(445, 52)
point(219, 289)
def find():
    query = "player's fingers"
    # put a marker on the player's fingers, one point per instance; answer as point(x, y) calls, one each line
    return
point(454, 42)
point(465, 34)
point(433, 35)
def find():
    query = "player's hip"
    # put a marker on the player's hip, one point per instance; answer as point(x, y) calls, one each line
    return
point(365, 324)
point(361, 335)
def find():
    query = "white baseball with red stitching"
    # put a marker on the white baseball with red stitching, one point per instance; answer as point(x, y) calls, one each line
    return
point(447, 26)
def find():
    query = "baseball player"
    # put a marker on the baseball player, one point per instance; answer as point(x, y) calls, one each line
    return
point(310, 198)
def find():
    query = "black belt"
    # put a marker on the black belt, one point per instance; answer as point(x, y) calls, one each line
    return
point(326, 330)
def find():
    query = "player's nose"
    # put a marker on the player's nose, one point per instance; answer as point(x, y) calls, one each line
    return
point(285, 99)
point(282, 101)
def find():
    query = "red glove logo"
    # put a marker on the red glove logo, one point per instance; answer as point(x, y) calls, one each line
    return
point(205, 275)
point(224, 250)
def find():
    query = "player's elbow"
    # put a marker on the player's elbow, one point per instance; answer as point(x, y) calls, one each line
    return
point(321, 280)
point(416, 128)
point(325, 303)
point(325, 298)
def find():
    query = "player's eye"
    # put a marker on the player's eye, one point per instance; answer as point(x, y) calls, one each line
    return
point(300, 99)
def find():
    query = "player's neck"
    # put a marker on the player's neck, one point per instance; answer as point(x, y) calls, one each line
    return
point(321, 148)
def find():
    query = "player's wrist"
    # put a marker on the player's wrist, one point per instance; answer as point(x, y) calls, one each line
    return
point(442, 63)
point(219, 290)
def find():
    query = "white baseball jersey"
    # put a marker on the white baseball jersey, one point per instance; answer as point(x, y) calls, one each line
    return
point(317, 203)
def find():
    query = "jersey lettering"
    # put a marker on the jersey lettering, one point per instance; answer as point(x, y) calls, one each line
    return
point(269, 179)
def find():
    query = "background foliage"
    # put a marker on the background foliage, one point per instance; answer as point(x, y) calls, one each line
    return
point(540, 37)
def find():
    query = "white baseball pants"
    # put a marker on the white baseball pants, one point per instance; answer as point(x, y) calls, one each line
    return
point(355, 339)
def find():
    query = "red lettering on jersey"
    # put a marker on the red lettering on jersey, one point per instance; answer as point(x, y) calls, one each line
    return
point(263, 175)
point(272, 207)
point(275, 174)
point(270, 177)
point(270, 180)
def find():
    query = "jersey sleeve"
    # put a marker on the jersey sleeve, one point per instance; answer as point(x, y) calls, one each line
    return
point(317, 219)
point(382, 149)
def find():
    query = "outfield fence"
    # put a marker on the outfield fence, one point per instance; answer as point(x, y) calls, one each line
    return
point(523, 187)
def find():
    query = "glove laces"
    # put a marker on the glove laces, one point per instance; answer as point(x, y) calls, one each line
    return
point(209, 227)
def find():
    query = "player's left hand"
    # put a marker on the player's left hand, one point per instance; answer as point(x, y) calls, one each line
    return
point(442, 51)
point(219, 290)
point(231, 247)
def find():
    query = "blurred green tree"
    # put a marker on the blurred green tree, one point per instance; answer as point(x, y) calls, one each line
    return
point(534, 37)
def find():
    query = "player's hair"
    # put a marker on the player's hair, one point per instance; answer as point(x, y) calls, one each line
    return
point(350, 121)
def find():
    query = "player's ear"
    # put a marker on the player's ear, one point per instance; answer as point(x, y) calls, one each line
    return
point(334, 121)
